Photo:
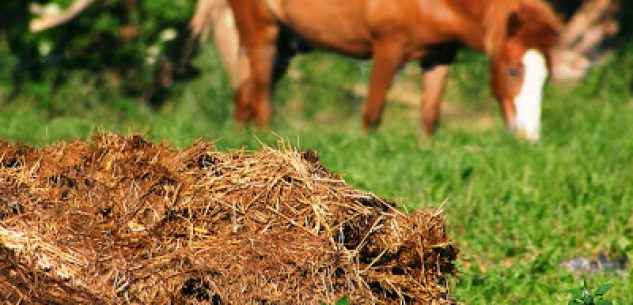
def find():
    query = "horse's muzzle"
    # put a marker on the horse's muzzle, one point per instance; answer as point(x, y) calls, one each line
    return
point(528, 102)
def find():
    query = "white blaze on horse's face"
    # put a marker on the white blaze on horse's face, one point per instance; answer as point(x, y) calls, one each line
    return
point(528, 101)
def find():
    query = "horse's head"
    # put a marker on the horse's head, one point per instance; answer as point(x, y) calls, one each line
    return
point(520, 65)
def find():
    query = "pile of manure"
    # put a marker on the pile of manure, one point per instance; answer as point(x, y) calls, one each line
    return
point(119, 220)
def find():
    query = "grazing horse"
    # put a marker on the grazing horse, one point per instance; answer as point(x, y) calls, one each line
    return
point(516, 35)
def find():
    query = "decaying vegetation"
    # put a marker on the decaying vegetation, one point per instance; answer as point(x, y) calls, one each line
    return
point(120, 220)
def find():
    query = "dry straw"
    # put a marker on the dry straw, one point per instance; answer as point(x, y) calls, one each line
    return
point(119, 220)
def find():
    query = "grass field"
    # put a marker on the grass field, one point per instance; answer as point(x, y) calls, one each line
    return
point(516, 210)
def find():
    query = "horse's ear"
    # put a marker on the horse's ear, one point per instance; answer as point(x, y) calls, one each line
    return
point(514, 23)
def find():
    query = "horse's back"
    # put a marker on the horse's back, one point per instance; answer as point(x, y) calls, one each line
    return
point(331, 24)
point(352, 26)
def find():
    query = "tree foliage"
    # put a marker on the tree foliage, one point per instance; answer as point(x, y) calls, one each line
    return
point(128, 37)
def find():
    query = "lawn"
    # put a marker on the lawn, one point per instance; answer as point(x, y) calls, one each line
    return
point(515, 210)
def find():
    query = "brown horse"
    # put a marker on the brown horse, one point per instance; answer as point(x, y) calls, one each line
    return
point(517, 36)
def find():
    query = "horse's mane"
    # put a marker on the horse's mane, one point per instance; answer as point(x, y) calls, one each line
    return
point(539, 24)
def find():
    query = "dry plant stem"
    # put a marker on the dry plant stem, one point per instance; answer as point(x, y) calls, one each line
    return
point(587, 16)
point(46, 22)
point(119, 220)
point(590, 26)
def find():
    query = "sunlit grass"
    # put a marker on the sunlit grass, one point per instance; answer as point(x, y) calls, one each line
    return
point(516, 210)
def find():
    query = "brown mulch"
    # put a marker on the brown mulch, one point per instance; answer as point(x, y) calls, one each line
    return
point(119, 220)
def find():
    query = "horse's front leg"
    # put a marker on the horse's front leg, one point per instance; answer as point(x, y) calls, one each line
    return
point(434, 82)
point(243, 100)
point(388, 58)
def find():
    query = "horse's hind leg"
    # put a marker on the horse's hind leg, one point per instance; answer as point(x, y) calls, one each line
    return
point(434, 82)
point(243, 99)
point(258, 35)
point(388, 58)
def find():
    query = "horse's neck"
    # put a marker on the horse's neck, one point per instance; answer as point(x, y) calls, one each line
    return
point(471, 28)
point(495, 23)
point(468, 21)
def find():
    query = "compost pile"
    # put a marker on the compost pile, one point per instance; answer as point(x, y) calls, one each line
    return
point(119, 220)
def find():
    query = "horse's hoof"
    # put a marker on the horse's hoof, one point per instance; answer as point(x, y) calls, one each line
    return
point(369, 128)
point(263, 127)
point(370, 124)
point(243, 116)
point(424, 136)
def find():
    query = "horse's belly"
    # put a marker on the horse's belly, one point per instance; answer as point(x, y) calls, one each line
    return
point(357, 49)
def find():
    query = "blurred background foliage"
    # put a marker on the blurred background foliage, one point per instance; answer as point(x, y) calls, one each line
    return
point(124, 42)
point(136, 47)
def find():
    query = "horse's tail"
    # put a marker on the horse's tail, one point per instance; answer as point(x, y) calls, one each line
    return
point(217, 16)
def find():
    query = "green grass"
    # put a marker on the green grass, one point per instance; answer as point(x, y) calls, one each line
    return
point(516, 210)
